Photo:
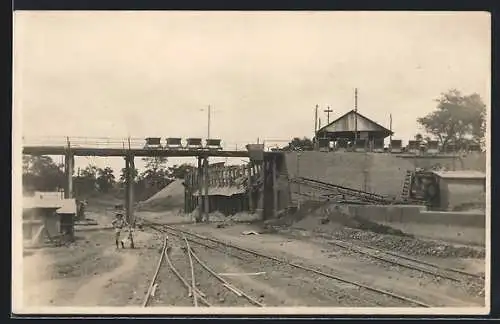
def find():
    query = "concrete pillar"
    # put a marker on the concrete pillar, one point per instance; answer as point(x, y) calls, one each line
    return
point(129, 195)
point(260, 203)
point(206, 183)
point(69, 165)
point(127, 170)
point(200, 186)
point(275, 187)
point(249, 177)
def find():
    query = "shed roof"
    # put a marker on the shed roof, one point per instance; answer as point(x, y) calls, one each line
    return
point(68, 207)
point(463, 174)
point(62, 206)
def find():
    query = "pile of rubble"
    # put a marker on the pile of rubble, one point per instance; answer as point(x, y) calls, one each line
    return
point(333, 221)
point(406, 245)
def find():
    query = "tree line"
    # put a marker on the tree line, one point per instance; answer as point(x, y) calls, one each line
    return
point(41, 173)
point(458, 120)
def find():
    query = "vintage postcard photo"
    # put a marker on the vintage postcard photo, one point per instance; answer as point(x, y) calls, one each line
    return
point(192, 162)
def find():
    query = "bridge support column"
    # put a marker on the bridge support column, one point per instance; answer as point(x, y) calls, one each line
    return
point(200, 189)
point(262, 191)
point(249, 185)
point(69, 166)
point(206, 181)
point(129, 187)
point(275, 187)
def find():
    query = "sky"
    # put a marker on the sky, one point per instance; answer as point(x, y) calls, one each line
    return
point(150, 74)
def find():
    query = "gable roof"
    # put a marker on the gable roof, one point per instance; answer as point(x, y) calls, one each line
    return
point(342, 124)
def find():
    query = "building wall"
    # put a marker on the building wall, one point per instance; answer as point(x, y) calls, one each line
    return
point(52, 225)
point(457, 192)
point(44, 216)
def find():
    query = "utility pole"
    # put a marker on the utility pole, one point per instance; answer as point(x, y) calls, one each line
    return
point(390, 128)
point(316, 120)
point(316, 127)
point(208, 135)
point(328, 111)
point(355, 115)
point(298, 184)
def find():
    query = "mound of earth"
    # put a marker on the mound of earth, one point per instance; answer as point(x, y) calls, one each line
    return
point(332, 215)
point(172, 196)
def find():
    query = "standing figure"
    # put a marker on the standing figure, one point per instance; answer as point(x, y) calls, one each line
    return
point(119, 224)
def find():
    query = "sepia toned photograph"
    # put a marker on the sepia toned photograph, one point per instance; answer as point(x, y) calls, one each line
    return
point(232, 162)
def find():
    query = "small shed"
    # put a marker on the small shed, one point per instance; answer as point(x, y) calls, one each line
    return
point(459, 189)
point(346, 126)
point(50, 218)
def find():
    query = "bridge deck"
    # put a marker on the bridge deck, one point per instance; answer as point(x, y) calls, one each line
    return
point(89, 151)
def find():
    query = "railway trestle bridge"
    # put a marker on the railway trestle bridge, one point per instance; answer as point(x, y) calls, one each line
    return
point(129, 149)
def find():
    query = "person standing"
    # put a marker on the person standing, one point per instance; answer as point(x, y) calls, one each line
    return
point(119, 224)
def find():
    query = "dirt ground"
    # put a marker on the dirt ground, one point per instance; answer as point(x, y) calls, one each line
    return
point(92, 272)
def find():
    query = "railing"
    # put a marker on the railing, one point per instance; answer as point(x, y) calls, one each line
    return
point(135, 142)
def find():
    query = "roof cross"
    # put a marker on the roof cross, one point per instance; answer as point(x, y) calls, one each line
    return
point(328, 111)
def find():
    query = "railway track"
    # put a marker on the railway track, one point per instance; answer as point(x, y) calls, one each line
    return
point(223, 247)
point(192, 290)
point(407, 262)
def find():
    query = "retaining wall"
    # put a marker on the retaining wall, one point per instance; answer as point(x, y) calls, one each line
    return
point(382, 173)
point(459, 227)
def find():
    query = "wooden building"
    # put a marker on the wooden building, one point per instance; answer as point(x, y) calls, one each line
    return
point(48, 219)
point(342, 132)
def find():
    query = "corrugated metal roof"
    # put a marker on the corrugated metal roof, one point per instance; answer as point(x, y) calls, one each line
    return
point(222, 191)
point(463, 174)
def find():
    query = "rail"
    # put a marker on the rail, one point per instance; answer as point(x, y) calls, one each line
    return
point(193, 290)
point(180, 232)
point(155, 275)
point(406, 262)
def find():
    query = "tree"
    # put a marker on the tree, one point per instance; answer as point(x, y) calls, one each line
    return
point(458, 119)
point(419, 137)
point(42, 173)
point(156, 163)
point(156, 173)
point(105, 179)
point(179, 171)
point(300, 144)
point(86, 180)
point(124, 172)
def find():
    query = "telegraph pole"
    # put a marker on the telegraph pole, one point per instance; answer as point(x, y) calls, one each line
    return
point(208, 132)
point(355, 115)
point(316, 120)
point(316, 128)
point(390, 128)
point(328, 111)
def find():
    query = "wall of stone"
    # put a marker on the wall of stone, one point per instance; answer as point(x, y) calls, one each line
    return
point(382, 173)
